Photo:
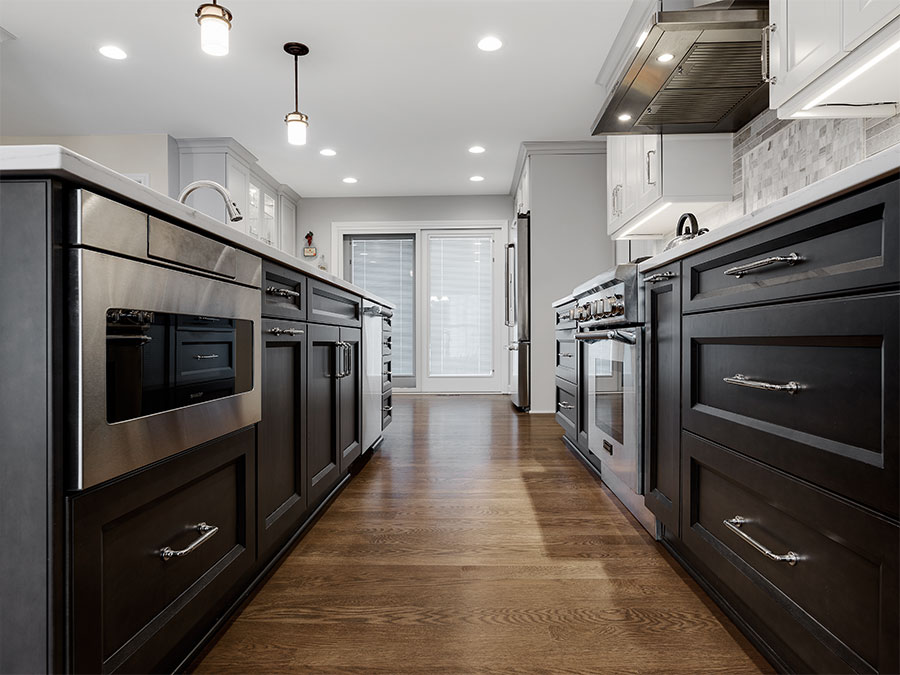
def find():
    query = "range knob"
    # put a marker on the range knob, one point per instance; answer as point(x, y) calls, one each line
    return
point(616, 306)
point(597, 308)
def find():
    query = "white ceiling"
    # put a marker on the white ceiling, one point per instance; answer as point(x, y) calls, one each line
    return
point(399, 89)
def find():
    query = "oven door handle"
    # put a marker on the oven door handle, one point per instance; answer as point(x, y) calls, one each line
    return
point(617, 335)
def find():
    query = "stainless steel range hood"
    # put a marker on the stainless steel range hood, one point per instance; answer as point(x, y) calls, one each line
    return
point(713, 82)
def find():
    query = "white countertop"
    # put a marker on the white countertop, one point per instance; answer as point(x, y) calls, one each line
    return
point(563, 301)
point(866, 171)
point(57, 161)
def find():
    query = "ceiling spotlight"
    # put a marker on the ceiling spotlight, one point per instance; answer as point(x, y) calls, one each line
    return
point(297, 122)
point(215, 22)
point(489, 44)
point(327, 152)
point(476, 179)
point(624, 117)
point(113, 52)
point(476, 149)
point(350, 180)
point(665, 58)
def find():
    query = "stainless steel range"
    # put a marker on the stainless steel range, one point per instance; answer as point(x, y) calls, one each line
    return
point(608, 318)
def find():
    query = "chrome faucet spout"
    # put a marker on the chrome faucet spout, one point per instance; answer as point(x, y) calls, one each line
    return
point(234, 213)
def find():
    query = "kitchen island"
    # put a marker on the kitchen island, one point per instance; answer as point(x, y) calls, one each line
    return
point(180, 402)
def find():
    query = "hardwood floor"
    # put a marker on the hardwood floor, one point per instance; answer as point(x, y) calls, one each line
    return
point(474, 542)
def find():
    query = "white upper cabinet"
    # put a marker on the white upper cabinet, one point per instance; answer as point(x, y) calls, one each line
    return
point(651, 179)
point(268, 232)
point(288, 225)
point(523, 192)
point(816, 47)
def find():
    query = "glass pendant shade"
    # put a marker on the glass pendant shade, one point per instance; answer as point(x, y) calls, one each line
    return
point(297, 125)
point(215, 23)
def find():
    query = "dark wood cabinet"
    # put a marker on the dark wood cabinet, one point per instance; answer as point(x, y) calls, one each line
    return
point(581, 418)
point(135, 609)
point(662, 377)
point(350, 397)
point(330, 305)
point(281, 475)
point(323, 455)
point(283, 292)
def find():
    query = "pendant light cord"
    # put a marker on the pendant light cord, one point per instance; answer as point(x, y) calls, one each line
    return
point(296, 86)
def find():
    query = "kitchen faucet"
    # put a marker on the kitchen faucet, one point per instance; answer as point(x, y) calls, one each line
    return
point(234, 213)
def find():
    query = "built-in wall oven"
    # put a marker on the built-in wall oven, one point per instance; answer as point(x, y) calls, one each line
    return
point(164, 339)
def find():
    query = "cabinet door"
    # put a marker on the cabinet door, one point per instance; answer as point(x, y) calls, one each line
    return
point(662, 433)
point(281, 451)
point(862, 18)
point(807, 41)
point(615, 181)
point(633, 167)
point(323, 459)
point(350, 395)
point(651, 175)
point(269, 226)
point(237, 177)
point(252, 214)
point(288, 217)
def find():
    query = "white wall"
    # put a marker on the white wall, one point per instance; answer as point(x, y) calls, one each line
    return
point(125, 153)
point(317, 214)
point(569, 245)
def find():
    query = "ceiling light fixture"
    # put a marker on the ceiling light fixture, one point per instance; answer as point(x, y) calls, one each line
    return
point(297, 122)
point(489, 44)
point(350, 180)
point(476, 179)
point(113, 52)
point(665, 58)
point(327, 152)
point(215, 22)
point(624, 117)
point(476, 149)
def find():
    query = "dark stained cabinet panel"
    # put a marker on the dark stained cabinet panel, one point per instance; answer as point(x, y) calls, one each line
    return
point(350, 393)
point(281, 449)
point(387, 410)
point(133, 611)
point(847, 245)
point(840, 429)
point(662, 431)
point(836, 608)
point(323, 456)
point(333, 306)
point(581, 419)
point(566, 408)
point(283, 293)
point(566, 356)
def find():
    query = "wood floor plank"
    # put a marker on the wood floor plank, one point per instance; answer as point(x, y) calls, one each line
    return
point(474, 542)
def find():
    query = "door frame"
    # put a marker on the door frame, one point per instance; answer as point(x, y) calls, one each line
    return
point(420, 228)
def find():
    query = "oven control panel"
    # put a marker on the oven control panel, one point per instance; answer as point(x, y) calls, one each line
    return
point(606, 306)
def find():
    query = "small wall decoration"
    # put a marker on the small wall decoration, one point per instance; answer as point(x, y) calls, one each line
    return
point(309, 251)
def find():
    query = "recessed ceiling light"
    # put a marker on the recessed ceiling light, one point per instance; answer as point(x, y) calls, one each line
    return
point(327, 152)
point(476, 179)
point(476, 149)
point(489, 44)
point(113, 52)
point(350, 179)
point(624, 117)
point(665, 58)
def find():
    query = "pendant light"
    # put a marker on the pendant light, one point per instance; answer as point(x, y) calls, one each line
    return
point(297, 122)
point(215, 22)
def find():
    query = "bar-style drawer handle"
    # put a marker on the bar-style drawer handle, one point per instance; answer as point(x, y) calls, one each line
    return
point(203, 357)
point(283, 292)
point(286, 331)
point(744, 381)
point(388, 408)
point(566, 406)
point(569, 356)
point(140, 339)
point(388, 373)
point(734, 524)
point(662, 276)
point(207, 532)
point(741, 270)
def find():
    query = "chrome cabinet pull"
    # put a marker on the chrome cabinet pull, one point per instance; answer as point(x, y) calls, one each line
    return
point(207, 532)
point(201, 357)
point(566, 406)
point(744, 381)
point(566, 356)
point(286, 331)
point(649, 180)
point(618, 335)
point(388, 373)
point(662, 276)
point(388, 408)
point(142, 339)
point(741, 270)
point(282, 292)
point(734, 524)
point(340, 347)
point(513, 348)
point(764, 55)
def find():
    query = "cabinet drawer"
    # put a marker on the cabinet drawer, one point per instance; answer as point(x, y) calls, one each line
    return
point(327, 304)
point(387, 345)
point(203, 356)
point(840, 429)
point(848, 244)
point(387, 410)
point(132, 610)
point(387, 375)
point(284, 293)
point(566, 356)
point(836, 608)
point(566, 407)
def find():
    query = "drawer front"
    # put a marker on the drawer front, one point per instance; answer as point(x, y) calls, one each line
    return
point(848, 244)
point(387, 410)
point(564, 318)
point(284, 293)
point(387, 324)
point(387, 375)
point(566, 407)
point(133, 611)
point(566, 356)
point(327, 304)
point(840, 429)
point(387, 345)
point(837, 605)
point(203, 356)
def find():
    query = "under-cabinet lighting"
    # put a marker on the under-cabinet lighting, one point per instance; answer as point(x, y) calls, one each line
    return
point(646, 218)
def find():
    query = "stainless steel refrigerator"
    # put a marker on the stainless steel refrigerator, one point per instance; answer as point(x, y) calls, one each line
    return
point(518, 306)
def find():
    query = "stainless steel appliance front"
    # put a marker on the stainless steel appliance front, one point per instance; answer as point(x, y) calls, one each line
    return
point(100, 282)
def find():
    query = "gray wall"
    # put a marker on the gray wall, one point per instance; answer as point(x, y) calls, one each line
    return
point(317, 214)
point(569, 245)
